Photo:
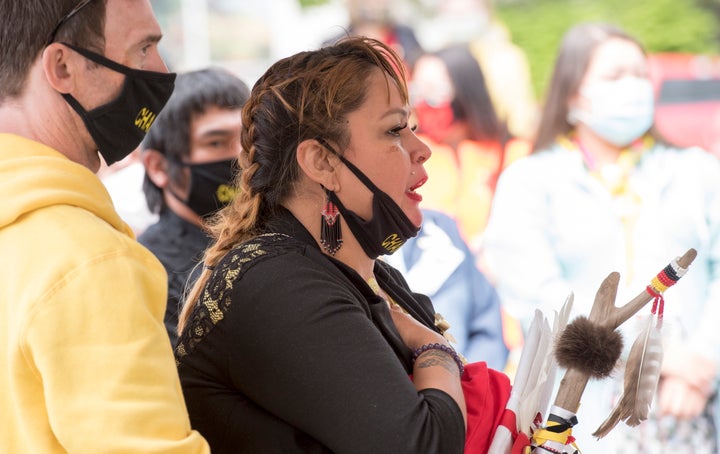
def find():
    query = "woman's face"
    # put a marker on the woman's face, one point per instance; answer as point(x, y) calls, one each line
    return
point(612, 60)
point(384, 147)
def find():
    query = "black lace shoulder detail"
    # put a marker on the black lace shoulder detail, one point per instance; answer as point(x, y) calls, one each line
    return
point(216, 297)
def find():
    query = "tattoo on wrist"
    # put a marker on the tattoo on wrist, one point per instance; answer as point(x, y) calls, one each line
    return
point(432, 358)
point(438, 354)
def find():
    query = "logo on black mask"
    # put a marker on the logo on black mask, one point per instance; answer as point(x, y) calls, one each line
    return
point(145, 118)
point(211, 186)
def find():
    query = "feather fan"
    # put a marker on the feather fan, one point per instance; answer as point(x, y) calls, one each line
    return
point(536, 398)
point(534, 379)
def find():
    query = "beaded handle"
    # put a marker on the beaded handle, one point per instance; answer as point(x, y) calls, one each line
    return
point(444, 348)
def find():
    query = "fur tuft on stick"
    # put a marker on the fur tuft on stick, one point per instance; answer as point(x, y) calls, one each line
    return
point(589, 348)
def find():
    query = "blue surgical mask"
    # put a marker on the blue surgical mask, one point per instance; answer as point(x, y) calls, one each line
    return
point(621, 110)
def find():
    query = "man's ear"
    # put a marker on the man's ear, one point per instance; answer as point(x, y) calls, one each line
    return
point(318, 163)
point(155, 167)
point(61, 67)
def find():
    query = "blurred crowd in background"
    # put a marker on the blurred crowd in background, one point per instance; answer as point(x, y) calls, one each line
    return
point(518, 35)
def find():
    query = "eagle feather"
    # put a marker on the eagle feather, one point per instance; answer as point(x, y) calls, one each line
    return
point(642, 372)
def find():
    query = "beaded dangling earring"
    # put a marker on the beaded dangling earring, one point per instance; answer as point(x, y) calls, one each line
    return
point(330, 234)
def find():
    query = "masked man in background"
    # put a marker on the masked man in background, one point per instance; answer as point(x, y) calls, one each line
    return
point(190, 157)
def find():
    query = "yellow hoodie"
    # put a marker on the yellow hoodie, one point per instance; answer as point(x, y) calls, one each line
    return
point(85, 363)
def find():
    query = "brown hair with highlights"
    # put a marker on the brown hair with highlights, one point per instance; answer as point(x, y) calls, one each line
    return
point(302, 97)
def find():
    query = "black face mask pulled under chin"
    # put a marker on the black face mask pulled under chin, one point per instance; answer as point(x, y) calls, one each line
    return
point(387, 230)
point(119, 126)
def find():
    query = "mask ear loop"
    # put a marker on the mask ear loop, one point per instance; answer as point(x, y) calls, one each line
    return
point(117, 67)
point(361, 176)
point(177, 164)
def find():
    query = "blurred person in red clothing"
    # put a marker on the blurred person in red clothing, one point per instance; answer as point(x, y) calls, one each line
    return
point(470, 144)
point(504, 65)
point(470, 147)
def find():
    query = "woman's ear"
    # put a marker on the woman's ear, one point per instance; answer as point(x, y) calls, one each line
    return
point(61, 67)
point(318, 163)
point(155, 167)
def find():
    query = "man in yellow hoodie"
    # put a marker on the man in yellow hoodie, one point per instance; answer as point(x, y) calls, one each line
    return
point(85, 362)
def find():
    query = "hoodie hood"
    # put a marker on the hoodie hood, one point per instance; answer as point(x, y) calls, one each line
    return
point(34, 176)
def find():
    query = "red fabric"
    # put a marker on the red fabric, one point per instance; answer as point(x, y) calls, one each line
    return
point(521, 441)
point(486, 393)
point(509, 420)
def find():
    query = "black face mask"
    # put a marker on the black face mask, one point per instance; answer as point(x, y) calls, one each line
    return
point(387, 230)
point(119, 126)
point(211, 186)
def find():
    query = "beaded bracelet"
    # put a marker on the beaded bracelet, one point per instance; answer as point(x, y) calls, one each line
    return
point(449, 350)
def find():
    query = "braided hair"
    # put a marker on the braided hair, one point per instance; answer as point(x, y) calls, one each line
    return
point(302, 97)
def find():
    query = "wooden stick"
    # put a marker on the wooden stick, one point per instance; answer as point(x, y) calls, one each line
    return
point(619, 315)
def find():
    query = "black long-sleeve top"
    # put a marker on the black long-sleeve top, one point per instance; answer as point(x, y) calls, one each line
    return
point(179, 245)
point(290, 351)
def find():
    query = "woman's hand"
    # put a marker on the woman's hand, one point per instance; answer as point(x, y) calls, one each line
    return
point(414, 333)
point(679, 399)
point(433, 368)
point(686, 383)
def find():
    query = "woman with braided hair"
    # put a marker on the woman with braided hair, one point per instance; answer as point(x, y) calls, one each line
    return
point(295, 337)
